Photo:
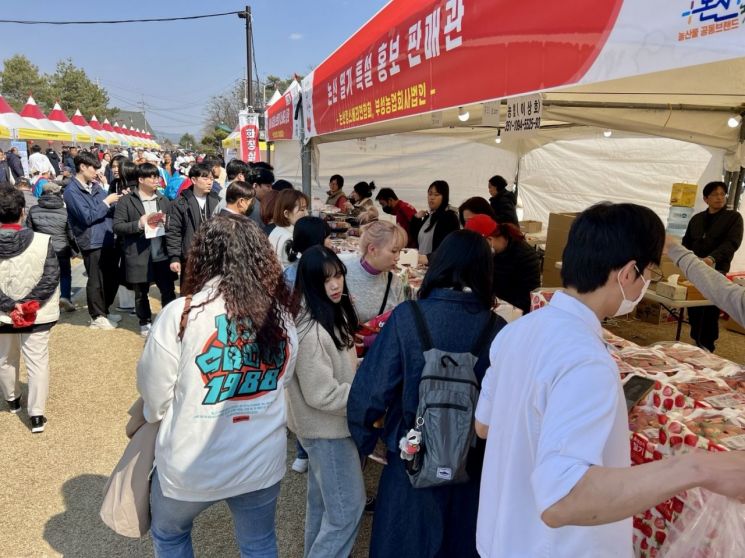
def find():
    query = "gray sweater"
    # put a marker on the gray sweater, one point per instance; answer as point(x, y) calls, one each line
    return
point(713, 285)
point(367, 290)
point(317, 393)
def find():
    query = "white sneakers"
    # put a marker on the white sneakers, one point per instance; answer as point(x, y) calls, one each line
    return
point(300, 465)
point(102, 322)
point(145, 330)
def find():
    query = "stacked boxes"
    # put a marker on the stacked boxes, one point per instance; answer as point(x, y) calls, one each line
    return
point(556, 239)
point(682, 200)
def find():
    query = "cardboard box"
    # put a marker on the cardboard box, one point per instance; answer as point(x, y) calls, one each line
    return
point(531, 226)
point(693, 292)
point(668, 268)
point(551, 275)
point(652, 313)
point(557, 235)
point(673, 292)
point(683, 195)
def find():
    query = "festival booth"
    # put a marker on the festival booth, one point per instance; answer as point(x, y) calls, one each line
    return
point(47, 129)
point(232, 144)
point(79, 135)
point(109, 139)
point(578, 102)
point(79, 120)
point(600, 79)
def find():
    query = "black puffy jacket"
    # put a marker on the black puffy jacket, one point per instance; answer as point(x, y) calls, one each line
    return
point(504, 205)
point(49, 216)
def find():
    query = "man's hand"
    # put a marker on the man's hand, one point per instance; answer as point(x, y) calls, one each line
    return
point(724, 472)
point(111, 199)
point(421, 214)
point(423, 260)
point(143, 221)
point(176, 267)
point(708, 261)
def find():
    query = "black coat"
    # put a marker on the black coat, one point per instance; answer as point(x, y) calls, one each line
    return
point(14, 162)
point(55, 160)
point(517, 271)
point(446, 223)
point(718, 236)
point(184, 219)
point(137, 262)
point(504, 205)
point(49, 216)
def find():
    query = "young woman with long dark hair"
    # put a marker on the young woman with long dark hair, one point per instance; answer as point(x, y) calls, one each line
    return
point(455, 301)
point(213, 371)
point(317, 403)
point(431, 227)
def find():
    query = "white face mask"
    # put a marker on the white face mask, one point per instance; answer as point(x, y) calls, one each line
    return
point(627, 306)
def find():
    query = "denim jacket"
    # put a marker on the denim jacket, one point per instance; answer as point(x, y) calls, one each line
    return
point(387, 382)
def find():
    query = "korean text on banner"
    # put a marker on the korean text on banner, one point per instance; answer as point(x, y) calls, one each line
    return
point(280, 116)
point(249, 136)
point(523, 115)
point(418, 57)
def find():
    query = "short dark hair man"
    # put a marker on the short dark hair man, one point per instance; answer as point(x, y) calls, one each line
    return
point(503, 202)
point(713, 235)
point(261, 179)
point(29, 275)
point(240, 198)
point(90, 212)
point(139, 219)
point(403, 211)
point(194, 206)
point(566, 463)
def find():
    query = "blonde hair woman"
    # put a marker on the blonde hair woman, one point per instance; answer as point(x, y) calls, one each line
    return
point(373, 283)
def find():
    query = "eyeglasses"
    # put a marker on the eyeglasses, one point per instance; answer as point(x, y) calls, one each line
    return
point(655, 273)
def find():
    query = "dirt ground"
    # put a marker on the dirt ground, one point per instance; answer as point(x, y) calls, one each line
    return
point(52, 482)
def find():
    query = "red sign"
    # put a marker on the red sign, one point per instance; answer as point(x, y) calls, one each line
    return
point(249, 137)
point(416, 56)
point(280, 117)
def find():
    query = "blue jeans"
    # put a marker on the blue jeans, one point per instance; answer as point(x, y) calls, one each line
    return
point(300, 452)
point(253, 517)
point(336, 497)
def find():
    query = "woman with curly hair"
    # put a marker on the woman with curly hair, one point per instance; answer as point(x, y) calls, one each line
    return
point(213, 371)
point(317, 405)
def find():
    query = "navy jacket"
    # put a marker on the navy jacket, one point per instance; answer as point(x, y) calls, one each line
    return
point(89, 217)
point(387, 382)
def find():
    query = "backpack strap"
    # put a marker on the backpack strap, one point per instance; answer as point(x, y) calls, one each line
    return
point(486, 334)
point(387, 292)
point(421, 326)
point(184, 317)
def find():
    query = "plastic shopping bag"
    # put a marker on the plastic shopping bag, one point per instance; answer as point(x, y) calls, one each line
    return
point(711, 526)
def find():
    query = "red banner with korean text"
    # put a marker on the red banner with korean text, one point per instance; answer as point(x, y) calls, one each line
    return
point(280, 116)
point(249, 136)
point(416, 56)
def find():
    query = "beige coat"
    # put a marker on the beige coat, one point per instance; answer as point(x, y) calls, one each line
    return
point(317, 394)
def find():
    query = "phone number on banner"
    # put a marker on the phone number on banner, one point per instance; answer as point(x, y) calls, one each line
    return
point(522, 124)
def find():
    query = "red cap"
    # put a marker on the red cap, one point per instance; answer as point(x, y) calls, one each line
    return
point(482, 224)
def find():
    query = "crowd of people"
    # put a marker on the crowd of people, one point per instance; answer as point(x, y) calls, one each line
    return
point(265, 334)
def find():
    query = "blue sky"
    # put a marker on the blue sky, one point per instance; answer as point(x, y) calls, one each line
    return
point(176, 67)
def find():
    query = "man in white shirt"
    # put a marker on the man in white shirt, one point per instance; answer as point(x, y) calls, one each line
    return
point(557, 480)
point(38, 163)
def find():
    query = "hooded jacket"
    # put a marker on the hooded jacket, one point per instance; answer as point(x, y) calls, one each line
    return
point(49, 216)
point(184, 219)
point(29, 270)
